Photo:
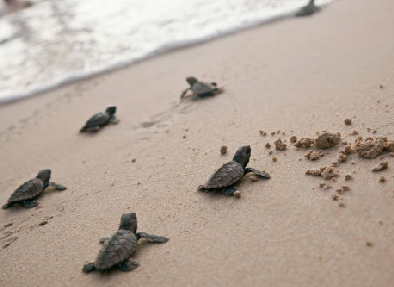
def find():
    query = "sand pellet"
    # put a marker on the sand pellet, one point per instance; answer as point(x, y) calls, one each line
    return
point(263, 133)
point(327, 139)
point(304, 142)
point(336, 197)
point(314, 155)
point(382, 165)
point(342, 158)
point(279, 145)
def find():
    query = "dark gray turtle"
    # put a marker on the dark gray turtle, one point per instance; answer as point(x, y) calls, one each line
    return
point(100, 119)
point(308, 9)
point(31, 189)
point(200, 89)
point(226, 176)
point(121, 245)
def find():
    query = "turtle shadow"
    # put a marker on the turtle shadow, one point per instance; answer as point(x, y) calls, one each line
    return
point(191, 98)
point(92, 134)
point(19, 207)
point(137, 256)
point(217, 195)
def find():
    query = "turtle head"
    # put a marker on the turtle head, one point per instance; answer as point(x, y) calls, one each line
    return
point(191, 80)
point(242, 155)
point(128, 222)
point(110, 110)
point(44, 175)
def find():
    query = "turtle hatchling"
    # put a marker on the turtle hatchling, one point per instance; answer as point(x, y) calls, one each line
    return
point(99, 120)
point(200, 89)
point(226, 176)
point(120, 246)
point(308, 9)
point(31, 189)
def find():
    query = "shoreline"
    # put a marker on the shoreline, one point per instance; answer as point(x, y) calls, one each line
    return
point(284, 231)
point(79, 76)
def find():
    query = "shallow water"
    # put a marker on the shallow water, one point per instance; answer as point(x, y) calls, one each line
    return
point(64, 40)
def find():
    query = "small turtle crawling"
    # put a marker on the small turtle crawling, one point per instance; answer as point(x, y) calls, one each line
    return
point(308, 9)
point(99, 120)
point(121, 245)
point(231, 172)
point(31, 189)
point(200, 89)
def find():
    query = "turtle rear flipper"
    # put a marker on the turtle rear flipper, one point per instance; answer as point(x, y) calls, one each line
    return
point(7, 205)
point(88, 267)
point(195, 97)
point(128, 266)
point(152, 238)
point(104, 240)
point(257, 172)
point(228, 190)
point(29, 203)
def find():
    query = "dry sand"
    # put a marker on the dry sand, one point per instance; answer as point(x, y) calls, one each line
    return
point(305, 75)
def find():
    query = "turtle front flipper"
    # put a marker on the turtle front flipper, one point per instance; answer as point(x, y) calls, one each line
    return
point(114, 120)
point(57, 186)
point(128, 266)
point(88, 267)
point(29, 203)
point(86, 129)
point(184, 93)
point(257, 172)
point(152, 238)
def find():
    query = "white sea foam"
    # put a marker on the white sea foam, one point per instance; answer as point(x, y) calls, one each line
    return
point(57, 42)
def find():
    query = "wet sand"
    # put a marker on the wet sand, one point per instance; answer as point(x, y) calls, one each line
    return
point(303, 75)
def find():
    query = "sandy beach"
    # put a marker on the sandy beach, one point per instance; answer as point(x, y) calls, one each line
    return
point(299, 76)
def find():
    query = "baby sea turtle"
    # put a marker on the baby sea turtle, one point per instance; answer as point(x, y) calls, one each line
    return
point(31, 189)
point(231, 172)
point(121, 245)
point(308, 9)
point(99, 120)
point(200, 89)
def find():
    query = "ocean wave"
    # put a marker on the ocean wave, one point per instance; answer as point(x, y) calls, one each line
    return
point(58, 42)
